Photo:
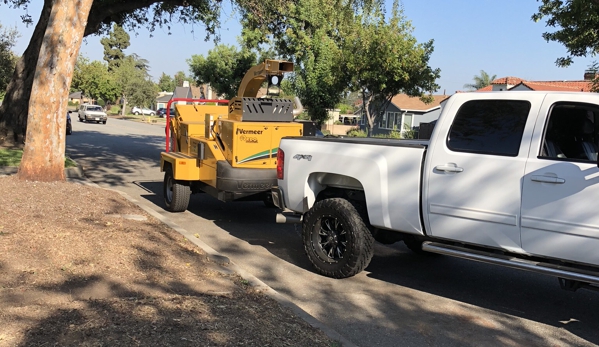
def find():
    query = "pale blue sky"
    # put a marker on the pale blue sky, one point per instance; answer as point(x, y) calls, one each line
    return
point(470, 35)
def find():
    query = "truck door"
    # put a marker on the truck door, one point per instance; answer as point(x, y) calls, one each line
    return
point(561, 185)
point(475, 169)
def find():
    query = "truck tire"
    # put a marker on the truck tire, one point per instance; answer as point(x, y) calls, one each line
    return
point(176, 194)
point(336, 239)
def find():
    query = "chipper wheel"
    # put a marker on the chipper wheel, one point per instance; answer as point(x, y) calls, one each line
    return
point(176, 193)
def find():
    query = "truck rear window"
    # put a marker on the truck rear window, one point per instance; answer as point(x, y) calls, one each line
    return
point(492, 127)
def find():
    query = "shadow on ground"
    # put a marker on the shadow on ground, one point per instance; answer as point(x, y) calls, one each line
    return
point(504, 293)
point(507, 297)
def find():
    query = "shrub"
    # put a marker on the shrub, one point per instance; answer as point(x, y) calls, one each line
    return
point(356, 132)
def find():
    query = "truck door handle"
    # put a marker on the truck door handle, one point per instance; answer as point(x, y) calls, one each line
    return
point(449, 168)
point(547, 179)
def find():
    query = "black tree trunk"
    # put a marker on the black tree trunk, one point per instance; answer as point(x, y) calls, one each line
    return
point(15, 107)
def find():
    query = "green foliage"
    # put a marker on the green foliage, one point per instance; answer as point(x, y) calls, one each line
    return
point(114, 46)
point(356, 132)
point(180, 77)
point(309, 33)
point(480, 81)
point(10, 157)
point(134, 83)
point(386, 60)
point(166, 83)
point(577, 21)
point(8, 59)
point(223, 68)
point(408, 132)
point(94, 80)
point(345, 109)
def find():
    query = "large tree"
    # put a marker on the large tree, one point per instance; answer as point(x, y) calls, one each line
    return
point(7, 57)
point(43, 155)
point(480, 81)
point(166, 83)
point(114, 46)
point(223, 68)
point(386, 60)
point(134, 83)
point(309, 33)
point(94, 80)
point(576, 22)
point(130, 14)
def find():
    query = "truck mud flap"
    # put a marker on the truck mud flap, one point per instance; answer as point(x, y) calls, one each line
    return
point(242, 181)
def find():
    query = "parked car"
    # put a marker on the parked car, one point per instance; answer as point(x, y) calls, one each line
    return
point(145, 111)
point(161, 112)
point(69, 126)
point(92, 113)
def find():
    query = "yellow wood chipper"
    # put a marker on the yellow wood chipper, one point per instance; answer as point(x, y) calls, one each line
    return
point(229, 152)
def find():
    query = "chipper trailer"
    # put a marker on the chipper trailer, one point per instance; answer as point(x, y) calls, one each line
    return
point(229, 152)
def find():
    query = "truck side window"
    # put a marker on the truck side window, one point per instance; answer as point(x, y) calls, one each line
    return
point(493, 127)
point(571, 133)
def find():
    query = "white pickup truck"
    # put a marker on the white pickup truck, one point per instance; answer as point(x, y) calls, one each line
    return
point(508, 178)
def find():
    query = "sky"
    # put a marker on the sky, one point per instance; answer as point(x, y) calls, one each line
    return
point(498, 37)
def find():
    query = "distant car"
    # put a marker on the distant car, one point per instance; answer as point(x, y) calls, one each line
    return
point(92, 113)
point(69, 126)
point(161, 112)
point(145, 111)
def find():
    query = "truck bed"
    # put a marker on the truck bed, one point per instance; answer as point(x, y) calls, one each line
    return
point(387, 170)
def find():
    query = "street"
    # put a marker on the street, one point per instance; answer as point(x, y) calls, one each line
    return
point(401, 299)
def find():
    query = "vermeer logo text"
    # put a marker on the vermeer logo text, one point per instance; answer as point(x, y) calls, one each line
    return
point(248, 132)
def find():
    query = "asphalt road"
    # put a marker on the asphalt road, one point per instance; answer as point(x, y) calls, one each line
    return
point(401, 299)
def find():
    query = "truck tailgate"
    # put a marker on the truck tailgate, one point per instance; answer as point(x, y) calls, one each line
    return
point(389, 172)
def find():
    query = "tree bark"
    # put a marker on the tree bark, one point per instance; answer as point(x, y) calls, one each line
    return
point(43, 155)
point(13, 111)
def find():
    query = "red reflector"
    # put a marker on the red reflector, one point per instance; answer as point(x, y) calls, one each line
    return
point(182, 163)
point(280, 164)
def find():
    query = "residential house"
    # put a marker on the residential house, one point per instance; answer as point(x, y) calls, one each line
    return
point(187, 91)
point(163, 99)
point(79, 98)
point(405, 112)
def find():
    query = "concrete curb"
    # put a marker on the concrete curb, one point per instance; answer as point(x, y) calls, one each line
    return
point(225, 266)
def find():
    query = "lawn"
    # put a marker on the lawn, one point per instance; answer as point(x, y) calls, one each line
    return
point(12, 157)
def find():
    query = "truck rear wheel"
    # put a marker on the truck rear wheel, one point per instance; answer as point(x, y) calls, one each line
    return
point(337, 241)
point(176, 194)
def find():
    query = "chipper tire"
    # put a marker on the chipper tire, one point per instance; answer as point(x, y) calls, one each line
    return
point(336, 239)
point(176, 193)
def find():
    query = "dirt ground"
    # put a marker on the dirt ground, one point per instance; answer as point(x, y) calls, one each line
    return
point(83, 266)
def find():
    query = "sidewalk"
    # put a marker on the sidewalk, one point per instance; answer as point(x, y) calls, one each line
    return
point(215, 262)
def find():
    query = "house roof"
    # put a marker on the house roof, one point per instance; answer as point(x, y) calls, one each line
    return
point(488, 88)
point(164, 98)
point(75, 95)
point(507, 80)
point(570, 86)
point(567, 86)
point(182, 92)
point(405, 102)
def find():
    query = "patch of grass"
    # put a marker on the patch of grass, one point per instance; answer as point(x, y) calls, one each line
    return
point(68, 162)
point(12, 157)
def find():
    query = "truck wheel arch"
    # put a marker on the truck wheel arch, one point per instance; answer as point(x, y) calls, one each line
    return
point(331, 184)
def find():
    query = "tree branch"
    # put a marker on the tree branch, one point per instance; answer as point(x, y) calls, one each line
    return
point(102, 14)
